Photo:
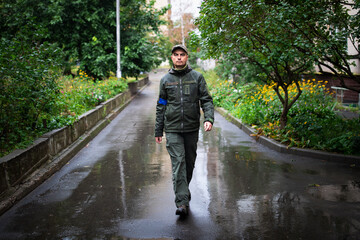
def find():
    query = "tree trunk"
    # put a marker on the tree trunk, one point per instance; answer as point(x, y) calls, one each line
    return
point(287, 102)
point(284, 117)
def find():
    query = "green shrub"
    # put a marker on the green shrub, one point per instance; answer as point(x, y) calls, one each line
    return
point(312, 121)
point(82, 94)
point(72, 97)
point(28, 88)
point(96, 58)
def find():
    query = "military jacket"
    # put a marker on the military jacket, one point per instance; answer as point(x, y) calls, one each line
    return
point(181, 94)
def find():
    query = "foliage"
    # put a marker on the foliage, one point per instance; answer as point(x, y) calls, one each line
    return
point(240, 71)
point(140, 55)
point(313, 123)
point(86, 30)
point(96, 60)
point(255, 32)
point(282, 39)
point(180, 29)
point(328, 29)
point(192, 44)
point(141, 51)
point(31, 102)
point(28, 88)
point(82, 94)
point(74, 96)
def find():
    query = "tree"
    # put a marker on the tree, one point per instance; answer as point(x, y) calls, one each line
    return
point(141, 41)
point(73, 25)
point(86, 28)
point(255, 32)
point(141, 55)
point(328, 28)
point(29, 70)
point(282, 38)
point(39, 35)
point(179, 30)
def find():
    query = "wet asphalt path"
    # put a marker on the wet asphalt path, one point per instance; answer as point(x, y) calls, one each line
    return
point(119, 187)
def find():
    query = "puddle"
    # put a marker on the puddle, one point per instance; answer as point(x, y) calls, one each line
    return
point(337, 193)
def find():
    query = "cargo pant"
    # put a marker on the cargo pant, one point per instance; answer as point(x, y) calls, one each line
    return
point(182, 150)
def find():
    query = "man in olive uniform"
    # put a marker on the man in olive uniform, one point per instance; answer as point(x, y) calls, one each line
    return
point(182, 92)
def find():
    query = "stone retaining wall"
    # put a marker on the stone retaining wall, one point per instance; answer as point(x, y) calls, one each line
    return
point(20, 164)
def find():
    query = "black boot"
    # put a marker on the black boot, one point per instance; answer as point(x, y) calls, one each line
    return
point(182, 211)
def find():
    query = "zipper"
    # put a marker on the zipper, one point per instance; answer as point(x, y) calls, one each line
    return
point(181, 105)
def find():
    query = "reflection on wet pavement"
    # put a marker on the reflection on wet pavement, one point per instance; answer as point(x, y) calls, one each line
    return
point(337, 193)
point(119, 187)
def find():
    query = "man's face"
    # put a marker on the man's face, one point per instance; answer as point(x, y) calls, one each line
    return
point(179, 58)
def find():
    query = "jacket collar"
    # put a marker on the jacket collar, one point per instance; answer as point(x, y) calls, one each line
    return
point(183, 71)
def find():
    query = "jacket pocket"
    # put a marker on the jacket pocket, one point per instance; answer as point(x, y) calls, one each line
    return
point(190, 92)
point(171, 92)
point(172, 113)
point(192, 113)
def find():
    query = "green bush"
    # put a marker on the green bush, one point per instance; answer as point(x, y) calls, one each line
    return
point(81, 94)
point(97, 58)
point(71, 98)
point(312, 121)
point(28, 88)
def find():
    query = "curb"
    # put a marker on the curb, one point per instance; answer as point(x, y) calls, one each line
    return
point(274, 145)
point(39, 176)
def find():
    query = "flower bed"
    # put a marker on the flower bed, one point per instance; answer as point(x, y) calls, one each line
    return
point(312, 122)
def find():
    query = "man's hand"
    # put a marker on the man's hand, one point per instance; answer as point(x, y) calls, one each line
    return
point(207, 126)
point(158, 139)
